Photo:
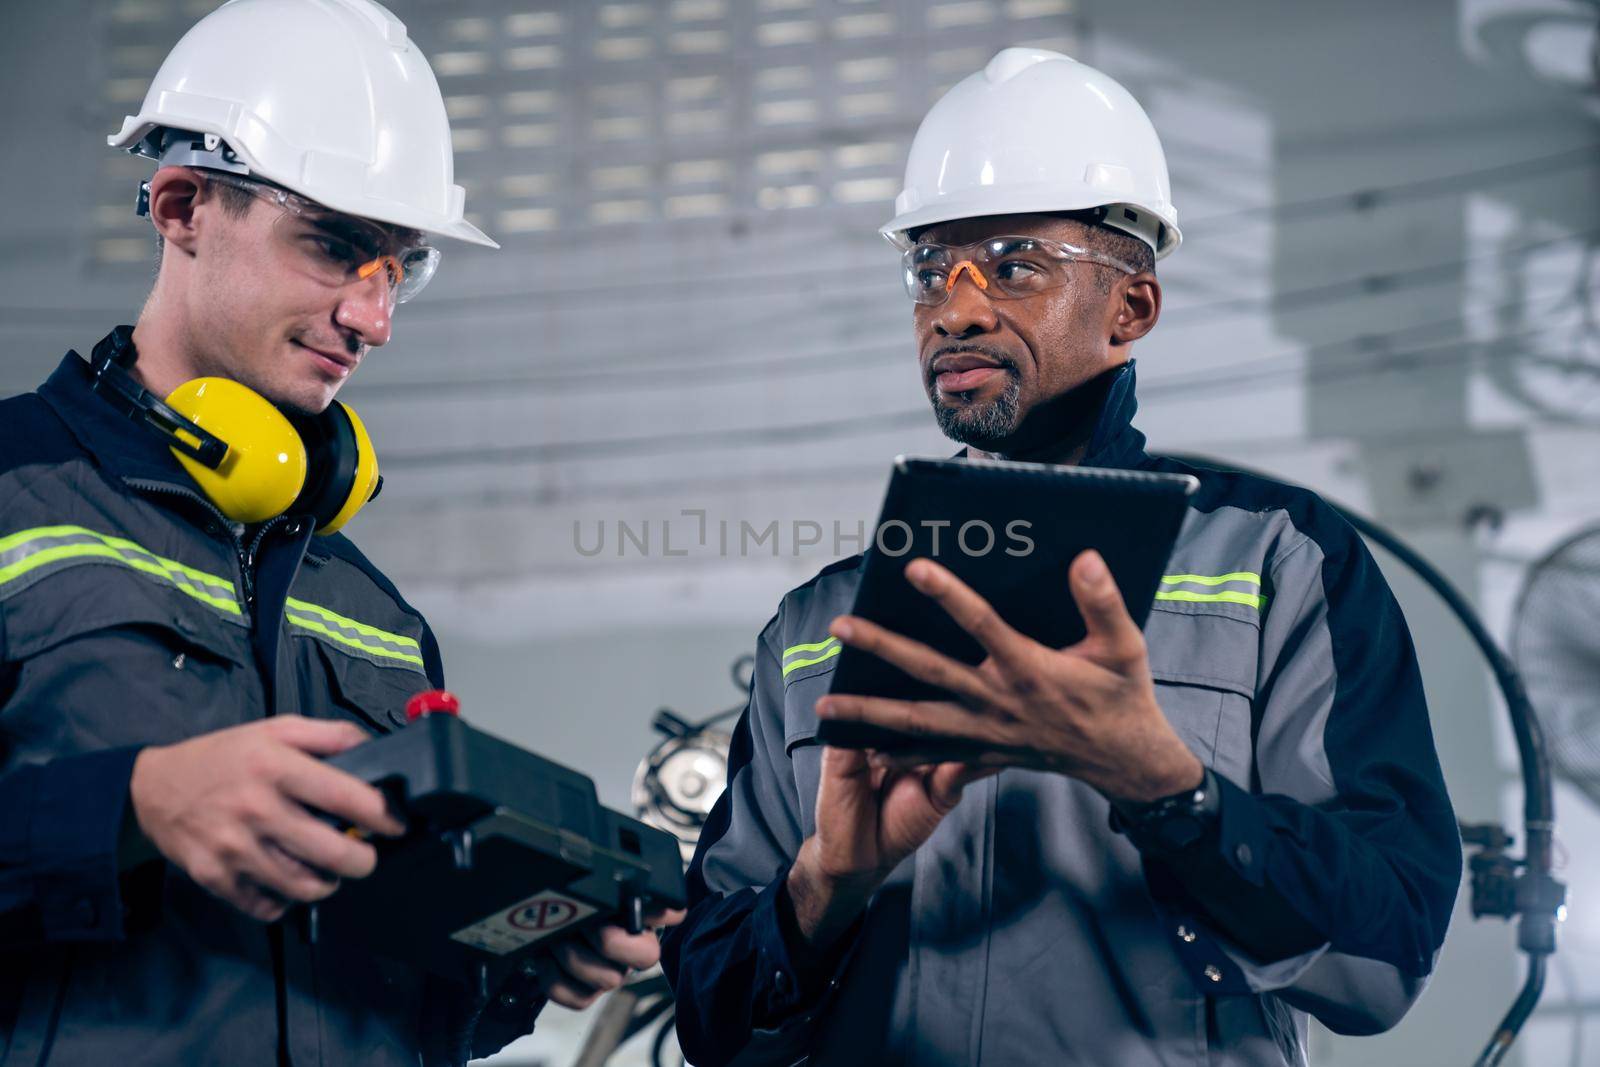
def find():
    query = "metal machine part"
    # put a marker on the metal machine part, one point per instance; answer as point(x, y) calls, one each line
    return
point(678, 782)
point(674, 789)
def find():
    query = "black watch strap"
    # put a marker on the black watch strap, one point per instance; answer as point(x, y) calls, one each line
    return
point(1173, 823)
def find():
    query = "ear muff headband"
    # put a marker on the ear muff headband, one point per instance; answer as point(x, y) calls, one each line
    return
point(252, 461)
point(344, 475)
point(110, 360)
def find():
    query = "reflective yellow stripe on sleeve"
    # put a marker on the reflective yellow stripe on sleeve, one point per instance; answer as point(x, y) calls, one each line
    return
point(1249, 595)
point(810, 655)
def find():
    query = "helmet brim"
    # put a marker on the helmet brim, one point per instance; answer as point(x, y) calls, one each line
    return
point(1039, 200)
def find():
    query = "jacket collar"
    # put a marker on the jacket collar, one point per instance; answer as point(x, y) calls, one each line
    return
point(1115, 442)
point(117, 443)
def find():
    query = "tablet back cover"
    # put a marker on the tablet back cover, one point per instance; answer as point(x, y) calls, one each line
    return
point(1010, 531)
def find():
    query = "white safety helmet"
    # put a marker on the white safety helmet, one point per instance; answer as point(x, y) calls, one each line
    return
point(1037, 131)
point(327, 98)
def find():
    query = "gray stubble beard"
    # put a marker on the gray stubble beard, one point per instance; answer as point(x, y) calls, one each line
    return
point(985, 426)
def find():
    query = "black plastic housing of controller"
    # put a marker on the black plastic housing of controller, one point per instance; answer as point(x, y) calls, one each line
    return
point(503, 850)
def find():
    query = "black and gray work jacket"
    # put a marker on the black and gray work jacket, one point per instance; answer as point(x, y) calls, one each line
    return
point(1028, 930)
point(131, 614)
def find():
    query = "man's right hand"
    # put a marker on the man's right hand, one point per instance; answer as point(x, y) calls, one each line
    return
point(869, 818)
point(231, 809)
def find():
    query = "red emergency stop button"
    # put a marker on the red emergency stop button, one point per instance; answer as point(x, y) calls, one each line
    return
point(431, 700)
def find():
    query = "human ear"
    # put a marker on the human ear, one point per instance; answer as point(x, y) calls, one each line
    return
point(1137, 306)
point(175, 194)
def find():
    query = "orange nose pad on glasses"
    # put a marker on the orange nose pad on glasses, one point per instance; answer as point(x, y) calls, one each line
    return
point(971, 268)
point(396, 272)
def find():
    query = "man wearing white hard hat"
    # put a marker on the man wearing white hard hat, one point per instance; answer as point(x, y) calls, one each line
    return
point(1177, 843)
point(183, 628)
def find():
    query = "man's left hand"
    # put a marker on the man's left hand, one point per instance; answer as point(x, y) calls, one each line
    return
point(1088, 710)
point(582, 968)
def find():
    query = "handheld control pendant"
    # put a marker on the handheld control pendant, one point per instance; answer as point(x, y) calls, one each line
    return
point(503, 850)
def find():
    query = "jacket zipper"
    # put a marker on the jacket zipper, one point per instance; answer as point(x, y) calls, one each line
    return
point(244, 555)
point(248, 560)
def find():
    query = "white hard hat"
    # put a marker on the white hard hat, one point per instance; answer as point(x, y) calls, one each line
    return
point(327, 98)
point(1037, 131)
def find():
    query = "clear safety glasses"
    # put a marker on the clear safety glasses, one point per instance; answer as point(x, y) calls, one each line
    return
point(338, 249)
point(1004, 267)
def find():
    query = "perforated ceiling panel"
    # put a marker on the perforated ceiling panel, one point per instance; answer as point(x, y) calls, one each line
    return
point(571, 116)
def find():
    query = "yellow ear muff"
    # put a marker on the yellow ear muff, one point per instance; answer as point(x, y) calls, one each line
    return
point(364, 482)
point(265, 466)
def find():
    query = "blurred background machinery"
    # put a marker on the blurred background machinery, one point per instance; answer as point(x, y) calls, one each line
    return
point(675, 787)
point(1555, 638)
point(680, 779)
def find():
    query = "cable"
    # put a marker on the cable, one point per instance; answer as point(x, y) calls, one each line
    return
point(1323, 371)
point(1380, 282)
point(811, 361)
point(1215, 377)
point(855, 473)
point(853, 426)
point(1356, 201)
point(1449, 351)
point(671, 289)
point(844, 473)
point(691, 440)
point(797, 363)
point(656, 488)
point(1360, 201)
point(1374, 284)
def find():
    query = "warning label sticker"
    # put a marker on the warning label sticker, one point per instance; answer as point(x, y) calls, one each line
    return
point(524, 923)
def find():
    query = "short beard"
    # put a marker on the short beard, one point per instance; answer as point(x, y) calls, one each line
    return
point(984, 427)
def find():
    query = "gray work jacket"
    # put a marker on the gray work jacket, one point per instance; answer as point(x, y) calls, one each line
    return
point(1027, 930)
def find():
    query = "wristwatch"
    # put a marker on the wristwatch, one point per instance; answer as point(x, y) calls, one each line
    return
point(1172, 823)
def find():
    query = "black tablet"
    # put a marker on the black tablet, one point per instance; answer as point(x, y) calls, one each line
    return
point(1010, 531)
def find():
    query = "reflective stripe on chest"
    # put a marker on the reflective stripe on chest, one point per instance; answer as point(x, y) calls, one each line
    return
point(351, 637)
point(30, 555)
